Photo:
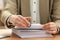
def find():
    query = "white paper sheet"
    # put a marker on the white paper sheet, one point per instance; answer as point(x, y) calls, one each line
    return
point(32, 33)
point(5, 33)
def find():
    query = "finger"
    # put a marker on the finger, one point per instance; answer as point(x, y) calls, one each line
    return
point(18, 23)
point(53, 29)
point(20, 20)
point(51, 32)
point(27, 22)
point(21, 25)
point(28, 18)
point(46, 26)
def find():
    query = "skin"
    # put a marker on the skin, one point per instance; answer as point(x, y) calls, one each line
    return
point(51, 27)
point(23, 22)
point(20, 21)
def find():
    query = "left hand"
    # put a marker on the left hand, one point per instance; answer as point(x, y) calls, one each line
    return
point(51, 27)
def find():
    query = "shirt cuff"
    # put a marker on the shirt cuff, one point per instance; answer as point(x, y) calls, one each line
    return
point(8, 23)
point(58, 29)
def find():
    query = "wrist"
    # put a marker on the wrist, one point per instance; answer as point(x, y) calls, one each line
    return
point(58, 30)
point(8, 23)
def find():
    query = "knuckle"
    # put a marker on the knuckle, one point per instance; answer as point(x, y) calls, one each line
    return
point(16, 18)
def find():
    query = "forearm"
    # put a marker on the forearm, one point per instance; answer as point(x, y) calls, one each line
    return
point(57, 22)
point(56, 12)
point(5, 14)
point(9, 9)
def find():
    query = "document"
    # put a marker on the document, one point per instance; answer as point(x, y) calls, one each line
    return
point(31, 33)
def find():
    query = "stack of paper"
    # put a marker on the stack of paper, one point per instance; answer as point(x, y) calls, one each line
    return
point(31, 33)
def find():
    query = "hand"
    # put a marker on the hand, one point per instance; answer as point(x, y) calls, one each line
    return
point(20, 21)
point(51, 27)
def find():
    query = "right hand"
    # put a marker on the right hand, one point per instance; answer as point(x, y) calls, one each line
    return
point(20, 21)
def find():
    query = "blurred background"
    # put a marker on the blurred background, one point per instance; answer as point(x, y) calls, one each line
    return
point(25, 7)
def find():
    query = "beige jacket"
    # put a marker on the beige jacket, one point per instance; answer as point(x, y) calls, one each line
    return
point(10, 8)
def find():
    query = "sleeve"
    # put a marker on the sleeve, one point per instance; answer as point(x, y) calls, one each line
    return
point(56, 12)
point(8, 10)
